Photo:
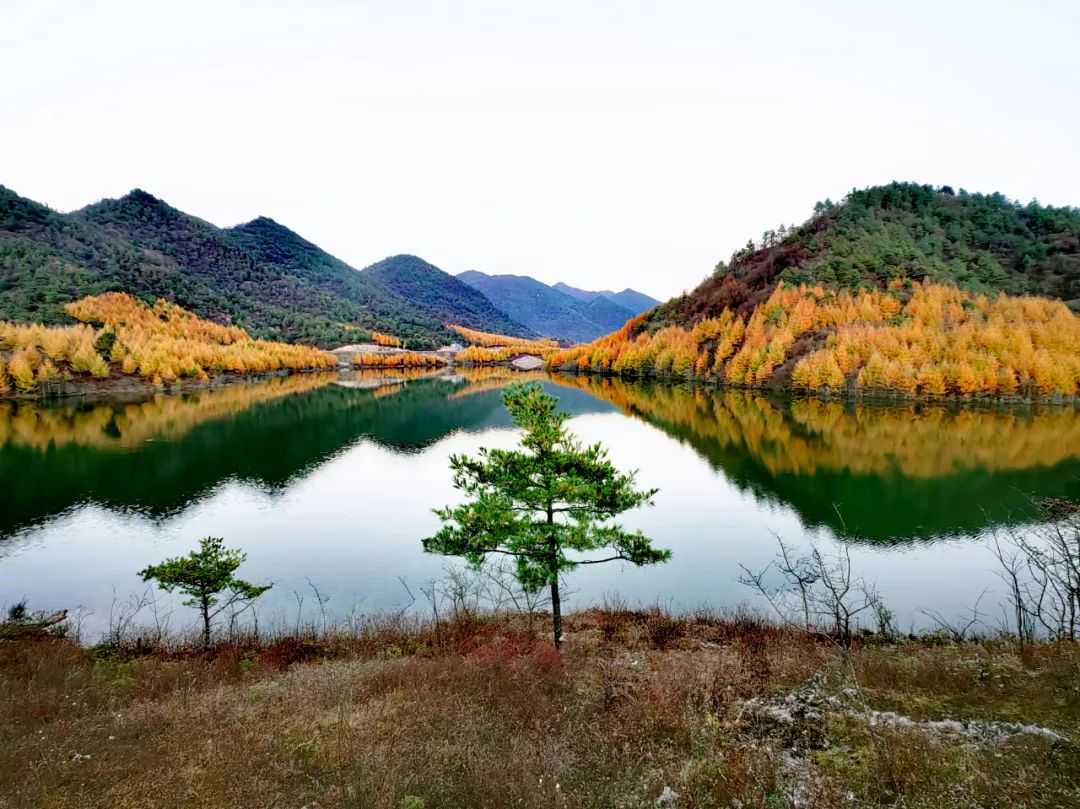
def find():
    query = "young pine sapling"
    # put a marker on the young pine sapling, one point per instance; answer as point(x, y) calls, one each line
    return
point(204, 575)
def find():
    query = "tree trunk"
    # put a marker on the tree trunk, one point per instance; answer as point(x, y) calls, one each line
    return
point(556, 611)
point(556, 604)
point(206, 622)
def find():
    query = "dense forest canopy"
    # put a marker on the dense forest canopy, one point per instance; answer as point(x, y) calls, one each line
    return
point(447, 298)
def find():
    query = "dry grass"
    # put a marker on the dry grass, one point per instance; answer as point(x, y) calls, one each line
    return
point(484, 713)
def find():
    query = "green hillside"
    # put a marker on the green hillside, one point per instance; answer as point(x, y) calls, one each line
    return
point(259, 275)
point(983, 243)
point(447, 298)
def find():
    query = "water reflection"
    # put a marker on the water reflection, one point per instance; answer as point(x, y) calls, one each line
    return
point(156, 456)
point(869, 471)
point(875, 473)
point(334, 478)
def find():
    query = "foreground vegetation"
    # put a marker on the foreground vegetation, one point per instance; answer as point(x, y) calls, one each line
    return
point(162, 343)
point(640, 709)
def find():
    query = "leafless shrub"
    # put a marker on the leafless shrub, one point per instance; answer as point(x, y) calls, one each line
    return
point(489, 588)
point(1040, 566)
point(816, 590)
point(958, 630)
point(123, 614)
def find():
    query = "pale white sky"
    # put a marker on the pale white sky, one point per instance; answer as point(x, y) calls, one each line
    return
point(606, 144)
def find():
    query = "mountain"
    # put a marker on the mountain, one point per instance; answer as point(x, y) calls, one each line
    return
point(981, 243)
point(900, 290)
point(276, 244)
point(446, 297)
point(546, 310)
point(636, 302)
point(259, 275)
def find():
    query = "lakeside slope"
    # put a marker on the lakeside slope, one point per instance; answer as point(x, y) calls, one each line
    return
point(642, 709)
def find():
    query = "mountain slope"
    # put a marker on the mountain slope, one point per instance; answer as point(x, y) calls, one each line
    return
point(631, 299)
point(900, 290)
point(636, 302)
point(982, 243)
point(442, 295)
point(48, 259)
point(259, 275)
point(385, 309)
point(547, 311)
point(605, 312)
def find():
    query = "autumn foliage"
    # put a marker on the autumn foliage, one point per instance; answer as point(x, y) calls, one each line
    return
point(388, 340)
point(402, 359)
point(162, 343)
point(918, 339)
point(478, 355)
point(515, 345)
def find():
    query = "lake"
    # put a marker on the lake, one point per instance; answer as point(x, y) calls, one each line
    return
point(330, 482)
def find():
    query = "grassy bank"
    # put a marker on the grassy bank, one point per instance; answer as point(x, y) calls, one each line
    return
point(481, 711)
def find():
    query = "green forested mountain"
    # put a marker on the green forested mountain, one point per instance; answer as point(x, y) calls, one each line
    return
point(546, 310)
point(983, 243)
point(259, 275)
point(450, 300)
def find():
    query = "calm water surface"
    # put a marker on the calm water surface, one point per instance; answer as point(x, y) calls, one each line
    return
point(334, 484)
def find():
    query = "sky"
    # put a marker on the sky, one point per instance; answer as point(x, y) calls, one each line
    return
point(604, 144)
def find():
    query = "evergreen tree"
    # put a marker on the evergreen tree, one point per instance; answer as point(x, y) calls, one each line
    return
point(204, 575)
point(543, 501)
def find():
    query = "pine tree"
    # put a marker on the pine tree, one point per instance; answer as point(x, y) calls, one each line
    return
point(539, 503)
point(204, 575)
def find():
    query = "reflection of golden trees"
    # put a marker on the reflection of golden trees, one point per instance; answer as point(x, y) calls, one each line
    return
point(128, 425)
point(493, 377)
point(390, 375)
point(924, 339)
point(390, 389)
point(813, 434)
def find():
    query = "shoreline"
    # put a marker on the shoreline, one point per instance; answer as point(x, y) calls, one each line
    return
point(123, 386)
point(136, 387)
point(874, 396)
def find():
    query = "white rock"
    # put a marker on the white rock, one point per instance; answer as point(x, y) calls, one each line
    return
point(667, 798)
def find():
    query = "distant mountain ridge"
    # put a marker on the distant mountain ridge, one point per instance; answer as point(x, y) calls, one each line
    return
point(549, 310)
point(636, 302)
point(448, 298)
point(259, 275)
